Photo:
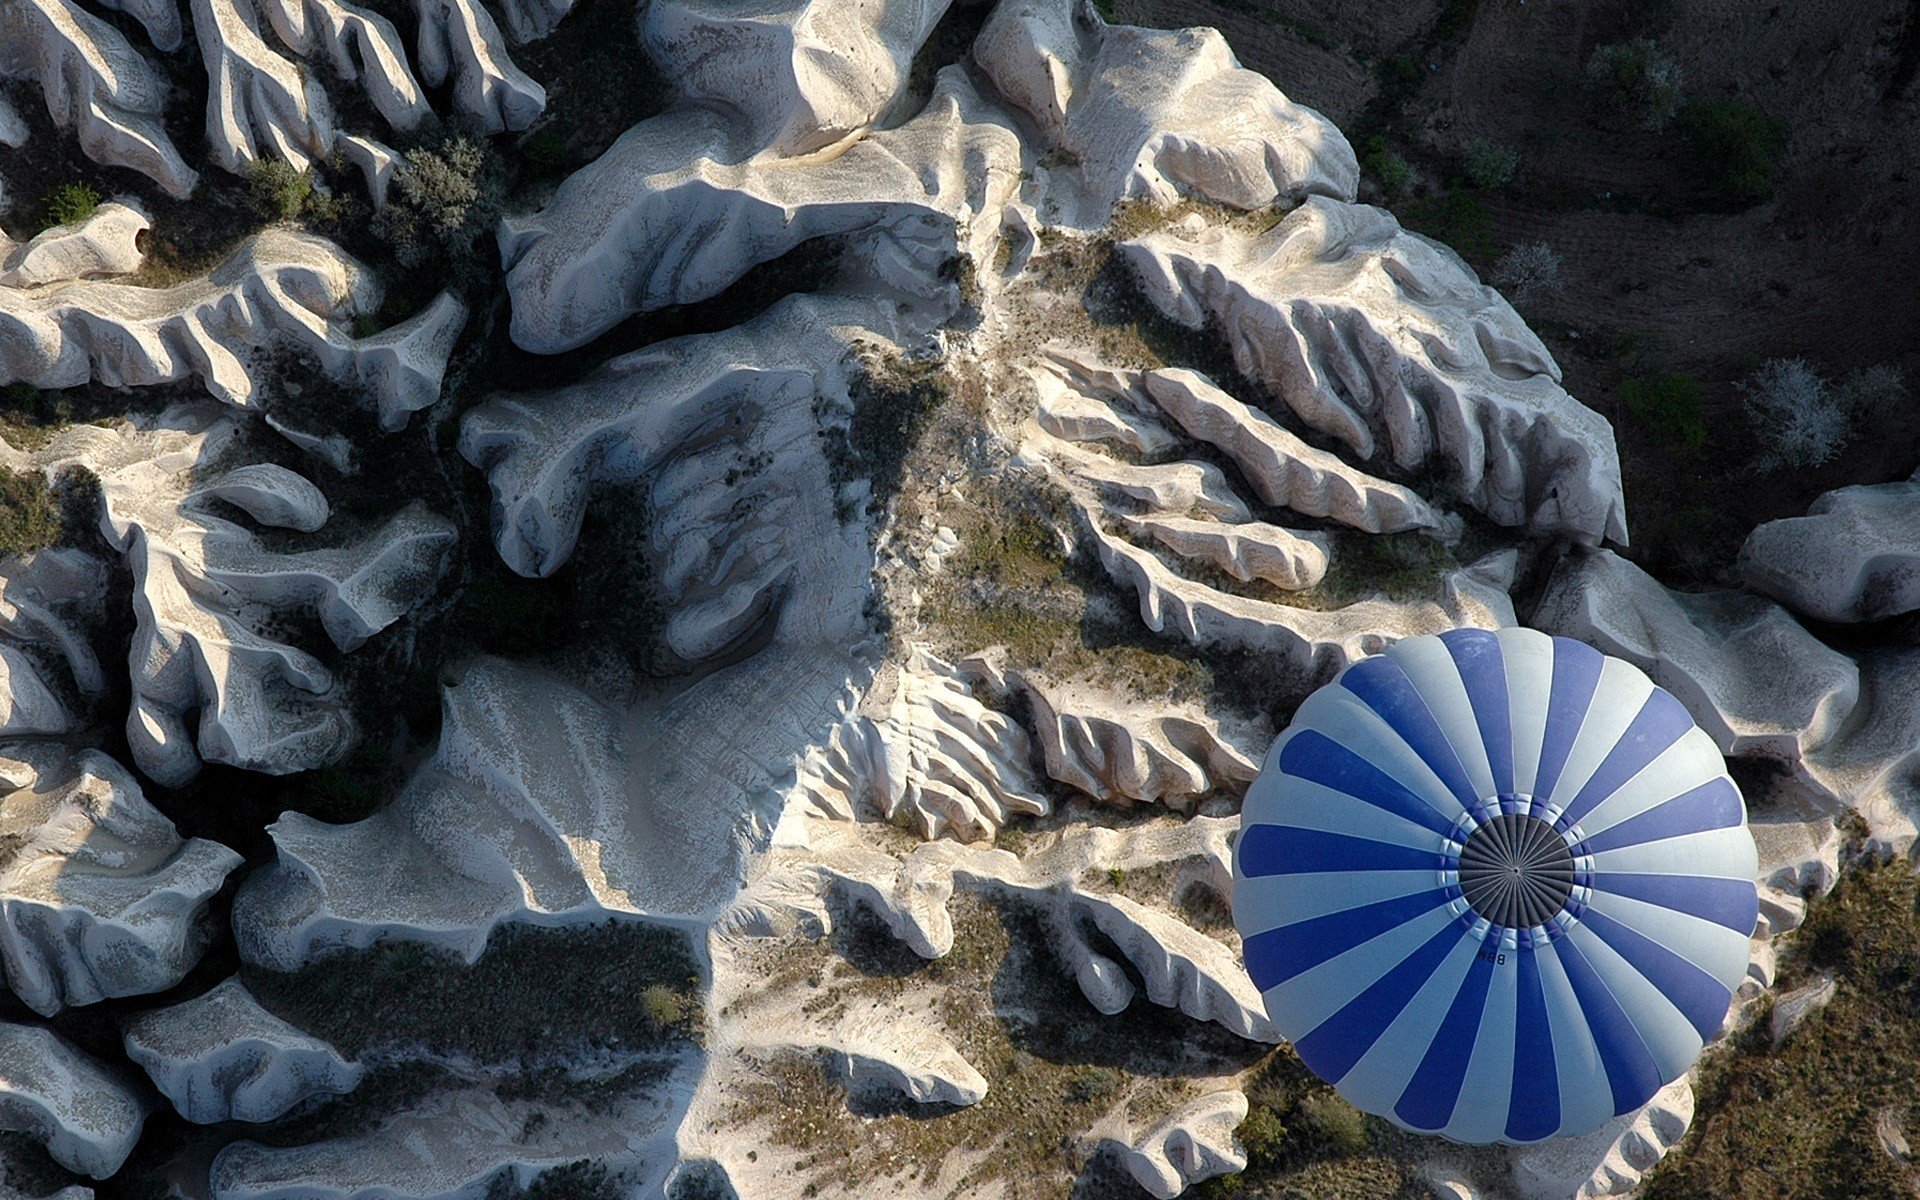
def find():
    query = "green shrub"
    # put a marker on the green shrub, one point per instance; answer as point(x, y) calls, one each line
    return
point(1667, 402)
point(1339, 1126)
point(443, 199)
point(664, 1006)
point(1458, 219)
point(277, 189)
point(29, 514)
point(1489, 164)
point(546, 150)
point(1733, 151)
point(1263, 1136)
point(71, 202)
point(1388, 169)
point(1634, 86)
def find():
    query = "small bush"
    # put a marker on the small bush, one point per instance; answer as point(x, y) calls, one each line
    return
point(70, 203)
point(442, 200)
point(665, 1007)
point(277, 189)
point(1527, 272)
point(546, 150)
point(1489, 164)
point(1458, 219)
point(29, 514)
point(1669, 404)
point(1388, 169)
point(1870, 388)
point(1800, 419)
point(1340, 1126)
point(1263, 1136)
point(1634, 86)
point(1734, 151)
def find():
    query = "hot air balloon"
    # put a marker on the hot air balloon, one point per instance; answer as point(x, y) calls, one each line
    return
point(1495, 886)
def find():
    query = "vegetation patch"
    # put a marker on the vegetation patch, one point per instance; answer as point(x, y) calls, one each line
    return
point(894, 400)
point(1667, 402)
point(442, 208)
point(278, 189)
point(1055, 1066)
point(533, 994)
point(29, 512)
point(1733, 151)
point(1801, 1120)
point(71, 203)
point(1634, 86)
point(1303, 1141)
point(1457, 218)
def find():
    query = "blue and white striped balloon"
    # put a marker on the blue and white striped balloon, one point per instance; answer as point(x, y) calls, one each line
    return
point(1496, 886)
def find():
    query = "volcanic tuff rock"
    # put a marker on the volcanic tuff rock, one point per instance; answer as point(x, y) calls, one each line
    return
point(99, 896)
point(953, 602)
point(1855, 556)
point(221, 1057)
point(280, 290)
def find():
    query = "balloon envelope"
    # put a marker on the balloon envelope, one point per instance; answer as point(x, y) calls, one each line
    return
point(1496, 886)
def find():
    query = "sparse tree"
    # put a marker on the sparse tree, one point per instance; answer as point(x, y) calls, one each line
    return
point(278, 189)
point(1635, 85)
point(1527, 272)
point(1802, 421)
point(444, 198)
point(1869, 388)
point(1387, 168)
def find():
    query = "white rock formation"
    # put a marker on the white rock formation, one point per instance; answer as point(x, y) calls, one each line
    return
point(1192, 1144)
point(280, 290)
point(222, 1057)
point(106, 243)
point(1309, 642)
point(1750, 675)
point(741, 173)
point(51, 603)
point(206, 587)
point(259, 104)
point(96, 84)
point(99, 896)
point(1126, 752)
point(1181, 967)
point(1387, 342)
point(1855, 556)
point(1793, 1008)
point(358, 45)
point(544, 806)
point(918, 1064)
point(459, 42)
point(1283, 470)
point(1156, 115)
point(1249, 550)
point(1625, 1149)
point(87, 1118)
point(543, 452)
point(799, 75)
point(580, 265)
point(923, 752)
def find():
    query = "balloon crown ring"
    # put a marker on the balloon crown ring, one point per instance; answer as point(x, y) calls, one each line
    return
point(1516, 870)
